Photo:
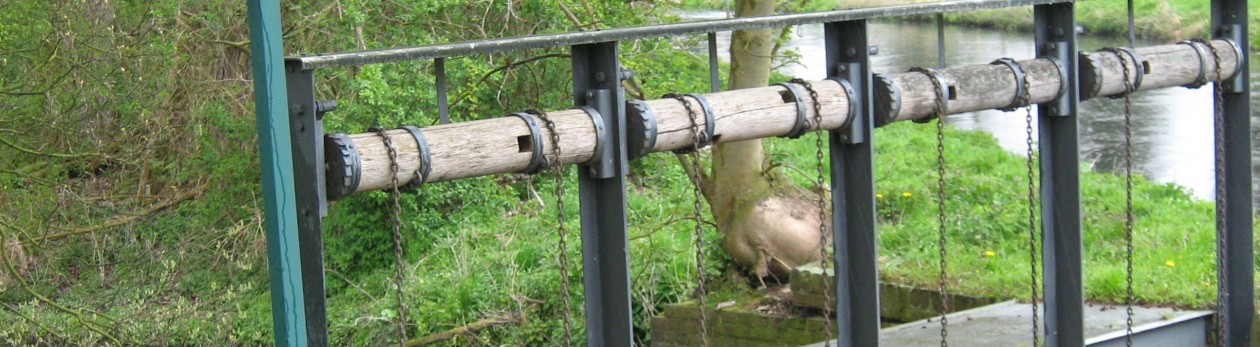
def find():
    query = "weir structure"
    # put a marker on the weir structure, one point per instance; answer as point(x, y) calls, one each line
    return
point(304, 168)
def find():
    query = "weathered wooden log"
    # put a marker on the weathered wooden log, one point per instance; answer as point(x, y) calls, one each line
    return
point(361, 162)
point(969, 88)
point(1162, 66)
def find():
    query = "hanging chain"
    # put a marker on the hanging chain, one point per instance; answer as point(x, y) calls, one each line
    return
point(943, 239)
point(396, 221)
point(1219, 119)
point(561, 230)
point(1026, 100)
point(697, 197)
point(820, 169)
point(1130, 298)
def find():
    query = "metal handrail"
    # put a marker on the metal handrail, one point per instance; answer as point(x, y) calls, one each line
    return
point(389, 55)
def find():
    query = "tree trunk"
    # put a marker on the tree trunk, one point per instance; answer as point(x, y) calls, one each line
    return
point(769, 226)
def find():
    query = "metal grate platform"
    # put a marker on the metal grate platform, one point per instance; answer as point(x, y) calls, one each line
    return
point(1008, 324)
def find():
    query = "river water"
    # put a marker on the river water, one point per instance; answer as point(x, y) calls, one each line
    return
point(1172, 128)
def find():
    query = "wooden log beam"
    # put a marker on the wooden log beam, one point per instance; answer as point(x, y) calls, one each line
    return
point(1166, 66)
point(504, 145)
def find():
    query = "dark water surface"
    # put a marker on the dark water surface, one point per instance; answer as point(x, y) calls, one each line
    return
point(1172, 128)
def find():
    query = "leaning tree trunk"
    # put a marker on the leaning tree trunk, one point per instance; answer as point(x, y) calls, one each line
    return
point(769, 225)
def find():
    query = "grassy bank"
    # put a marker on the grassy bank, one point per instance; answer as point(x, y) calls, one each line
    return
point(1155, 19)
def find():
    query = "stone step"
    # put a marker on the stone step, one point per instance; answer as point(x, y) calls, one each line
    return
point(1009, 324)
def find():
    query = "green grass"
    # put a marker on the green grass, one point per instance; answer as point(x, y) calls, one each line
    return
point(987, 222)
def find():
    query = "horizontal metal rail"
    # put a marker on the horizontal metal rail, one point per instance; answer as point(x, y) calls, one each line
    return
point(389, 55)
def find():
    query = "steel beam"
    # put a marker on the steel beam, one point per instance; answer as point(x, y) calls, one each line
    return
point(855, 244)
point(284, 260)
point(306, 131)
point(1236, 254)
point(1060, 181)
point(602, 191)
point(674, 29)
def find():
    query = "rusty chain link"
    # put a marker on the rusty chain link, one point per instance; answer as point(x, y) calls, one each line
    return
point(822, 205)
point(561, 229)
point(396, 224)
point(943, 238)
point(696, 167)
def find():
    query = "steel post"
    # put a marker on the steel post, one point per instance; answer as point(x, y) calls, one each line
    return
point(1060, 181)
point(856, 280)
point(306, 131)
point(605, 252)
point(1234, 209)
point(288, 314)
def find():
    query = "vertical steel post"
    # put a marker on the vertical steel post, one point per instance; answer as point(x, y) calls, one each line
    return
point(1060, 181)
point(284, 260)
point(306, 130)
point(853, 191)
point(602, 192)
point(715, 79)
point(444, 108)
point(1234, 209)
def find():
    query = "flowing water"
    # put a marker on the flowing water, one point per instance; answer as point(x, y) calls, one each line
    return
point(1172, 128)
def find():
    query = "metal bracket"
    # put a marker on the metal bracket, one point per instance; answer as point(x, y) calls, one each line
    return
point(600, 132)
point(802, 118)
point(601, 163)
point(538, 161)
point(640, 129)
point(1233, 35)
point(854, 129)
point(426, 159)
point(850, 93)
point(1057, 52)
point(1021, 93)
point(1202, 79)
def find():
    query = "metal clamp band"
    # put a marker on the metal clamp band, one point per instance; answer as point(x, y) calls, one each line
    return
point(943, 103)
point(426, 159)
point(600, 133)
point(1090, 76)
point(1021, 97)
point(640, 129)
point(1238, 55)
point(851, 94)
point(344, 167)
point(538, 161)
point(707, 139)
point(1138, 67)
point(1202, 79)
point(709, 119)
point(802, 117)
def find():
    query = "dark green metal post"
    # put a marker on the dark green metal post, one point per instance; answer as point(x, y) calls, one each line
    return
point(276, 161)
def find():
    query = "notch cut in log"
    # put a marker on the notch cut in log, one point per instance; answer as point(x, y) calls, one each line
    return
point(506, 144)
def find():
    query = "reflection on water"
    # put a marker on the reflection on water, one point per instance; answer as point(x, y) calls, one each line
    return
point(1172, 128)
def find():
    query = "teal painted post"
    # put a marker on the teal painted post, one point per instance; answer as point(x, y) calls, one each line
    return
point(274, 149)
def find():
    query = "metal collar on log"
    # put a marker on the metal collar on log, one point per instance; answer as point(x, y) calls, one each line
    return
point(344, 166)
point(1139, 66)
point(1021, 97)
point(601, 138)
point(851, 95)
point(1202, 79)
point(640, 129)
point(1090, 76)
point(887, 100)
point(426, 159)
point(942, 93)
point(1238, 58)
point(538, 161)
point(709, 117)
point(802, 116)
